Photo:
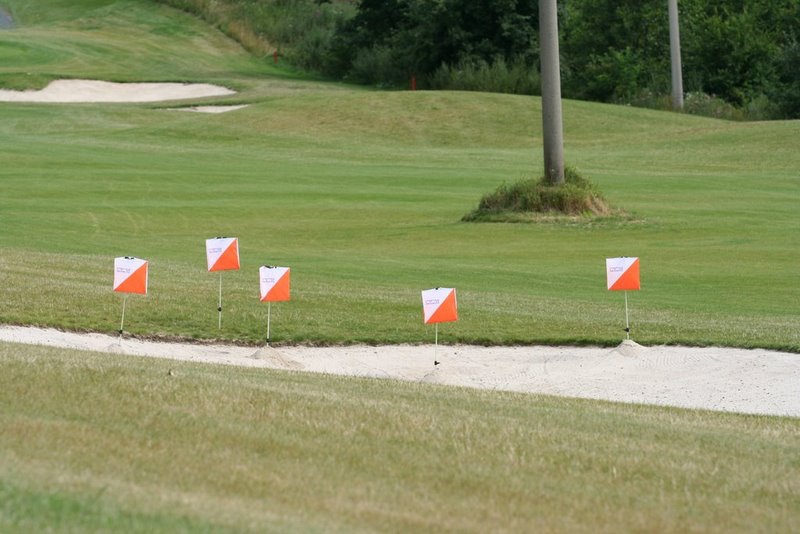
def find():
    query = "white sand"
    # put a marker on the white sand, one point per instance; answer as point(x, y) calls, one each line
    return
point(88, 91)
point(736, 380)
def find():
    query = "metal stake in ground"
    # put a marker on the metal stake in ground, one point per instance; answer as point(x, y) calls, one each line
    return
point(269, 313)
point(627, 323)
point(122, 321)
point(436, 345)
point(219, 303)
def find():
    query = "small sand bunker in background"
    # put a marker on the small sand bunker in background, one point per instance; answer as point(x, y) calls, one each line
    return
point(91, 91)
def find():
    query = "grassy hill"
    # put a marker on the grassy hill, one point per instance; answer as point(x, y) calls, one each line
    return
point(361, 193)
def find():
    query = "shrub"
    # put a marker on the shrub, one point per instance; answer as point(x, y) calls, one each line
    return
point(647, 98)
point(374, 66)
point(697, 103)
point(758, 109)
point(497, 77)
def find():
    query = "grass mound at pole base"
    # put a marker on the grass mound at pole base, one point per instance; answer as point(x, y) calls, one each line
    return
point(536, 200)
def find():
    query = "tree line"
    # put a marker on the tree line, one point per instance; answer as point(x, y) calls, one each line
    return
point(741, 59)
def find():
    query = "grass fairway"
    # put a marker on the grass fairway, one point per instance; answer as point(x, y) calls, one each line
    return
point(361, 193)
point(95, 442)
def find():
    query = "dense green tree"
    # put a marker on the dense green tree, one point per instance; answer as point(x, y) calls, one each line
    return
point(613, 48)
point(393, 39)
point(786, 91)
point(744, 52)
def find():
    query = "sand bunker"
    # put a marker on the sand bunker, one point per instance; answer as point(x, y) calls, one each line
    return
point(735, 380)
point(91, 91)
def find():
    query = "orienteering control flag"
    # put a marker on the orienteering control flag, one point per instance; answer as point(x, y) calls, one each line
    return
point(622, 274)
point(274, 283)
point(130, 275)
point(222, 254)
point(439, 305)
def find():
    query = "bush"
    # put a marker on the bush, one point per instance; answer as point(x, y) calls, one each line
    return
point(374, 66)
point(697, 103)
point(496, 77)
point(650, 99)
point(576, 197)
point(786, 92)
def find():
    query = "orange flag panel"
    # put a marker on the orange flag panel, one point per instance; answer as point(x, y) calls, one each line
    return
point(629, 281)
point(135, 283)
point(229, 260)
point(280, 291)
point(447, 310)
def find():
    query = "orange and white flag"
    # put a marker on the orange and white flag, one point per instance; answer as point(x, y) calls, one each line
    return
point(274, 283)
point(222, 254)
point(439, 305)
point(130, 275)
point(622, 274)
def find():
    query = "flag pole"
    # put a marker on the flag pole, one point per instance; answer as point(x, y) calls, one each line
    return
point(219, 305)
point(436, 344)
point(627, 324)
point(122, 321)
point(269, 312)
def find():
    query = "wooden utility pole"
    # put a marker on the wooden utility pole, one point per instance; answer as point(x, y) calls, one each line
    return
point(552, 127)
point(675, 56)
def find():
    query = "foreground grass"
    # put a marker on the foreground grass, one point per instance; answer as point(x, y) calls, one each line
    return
point(361, 194)
point(95, 442)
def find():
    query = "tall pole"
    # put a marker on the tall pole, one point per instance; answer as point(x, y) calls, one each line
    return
point(552, 128)
point(675, 56)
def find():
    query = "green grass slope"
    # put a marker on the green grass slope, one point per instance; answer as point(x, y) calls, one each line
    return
point(99, 443)
point(361, 194)
point(116, 40)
